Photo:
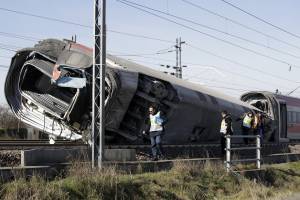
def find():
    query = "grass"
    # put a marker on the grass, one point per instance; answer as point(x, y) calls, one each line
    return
point(183, 181)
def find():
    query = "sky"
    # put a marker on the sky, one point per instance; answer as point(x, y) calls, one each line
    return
point(232, 66)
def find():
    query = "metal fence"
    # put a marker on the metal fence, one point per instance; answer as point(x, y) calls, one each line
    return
point(229, 149)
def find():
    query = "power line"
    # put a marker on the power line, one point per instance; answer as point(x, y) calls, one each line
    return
point(4, 67)
point(217, 30)
point(247, 77)
point(208, 35)
point(197, 65)
point(10, 46)
point(262, 20)
point(223, 58)
point(240, 64)
point(147, 57)
point(240, 24)
point(44, 17)
point(196, 77)
point(222, 87)
point(140, 36)
point(142, 61)
point(5, 34)
point(7, 49)
point(146, 54)
point(81, 25)
point(9, 57)
point(217, 80)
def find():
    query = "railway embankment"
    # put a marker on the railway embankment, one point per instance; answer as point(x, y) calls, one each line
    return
point(184, 181)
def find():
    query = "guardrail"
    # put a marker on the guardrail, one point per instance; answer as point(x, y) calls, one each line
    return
point(228, 150)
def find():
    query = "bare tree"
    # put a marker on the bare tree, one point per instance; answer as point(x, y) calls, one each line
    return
point(8, 119)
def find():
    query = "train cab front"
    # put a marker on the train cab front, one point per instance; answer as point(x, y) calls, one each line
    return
point(274, 114)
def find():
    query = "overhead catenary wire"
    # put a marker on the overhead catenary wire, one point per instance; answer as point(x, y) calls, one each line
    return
point(262, 20)
point(219, 81)
point(10, 46)
point(240, 64)
point(209, 35)
point(4, 67)
point(190, 64)
point(146, 54)
point(13, 35)
point(82, 25)
point(86, 26)
point(8, 57)
point(217, 30)
point(241, 24)
point(44, 17)
point(140, 36)
point(247, 77)
point(7, 49)
point(227, 88)
point(221, 57)
point(129, 35)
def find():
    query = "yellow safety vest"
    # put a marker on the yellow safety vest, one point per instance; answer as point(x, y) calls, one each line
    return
point(223, 127)
point(154, 126)
point(247, 121)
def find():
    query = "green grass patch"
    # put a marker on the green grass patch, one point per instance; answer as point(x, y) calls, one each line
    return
point(183, 181)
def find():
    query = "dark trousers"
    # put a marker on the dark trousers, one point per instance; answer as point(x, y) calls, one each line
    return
point(246, 131)
point(156, 145)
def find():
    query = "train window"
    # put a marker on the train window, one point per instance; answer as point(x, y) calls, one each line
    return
point(289, 116)
point(294, 116)
point(298, 117)
point(213, 100)
point(201, 96)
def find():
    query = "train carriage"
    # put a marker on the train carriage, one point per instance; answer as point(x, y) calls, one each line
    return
point(64, 110)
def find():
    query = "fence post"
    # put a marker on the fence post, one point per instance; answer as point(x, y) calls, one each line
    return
point(227, 153)
point(258, 151)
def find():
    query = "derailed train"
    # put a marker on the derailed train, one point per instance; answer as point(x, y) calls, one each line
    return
point(49, 86)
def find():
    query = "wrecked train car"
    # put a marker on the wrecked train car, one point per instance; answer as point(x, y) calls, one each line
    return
point(49, 87)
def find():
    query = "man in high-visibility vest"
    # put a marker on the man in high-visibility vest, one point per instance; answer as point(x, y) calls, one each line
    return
point(155, 127)
point(226, 129)
point(247, 124)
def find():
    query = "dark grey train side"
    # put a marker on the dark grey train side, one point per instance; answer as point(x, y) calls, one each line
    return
point(193, 112)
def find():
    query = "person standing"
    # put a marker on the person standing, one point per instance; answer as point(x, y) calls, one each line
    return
point(155, 127)
point(246, 124)
point(226, 129)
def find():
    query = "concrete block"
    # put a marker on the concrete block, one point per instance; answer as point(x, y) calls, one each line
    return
point(36, 157)
point(119, 154)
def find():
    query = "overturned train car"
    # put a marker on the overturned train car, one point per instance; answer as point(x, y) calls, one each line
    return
point(49, 86)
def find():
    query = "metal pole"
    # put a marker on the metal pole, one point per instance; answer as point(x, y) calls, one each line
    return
point(227, 153)
point(258, 151)
point(179, 67)
point(177, 55)
point(98, 96)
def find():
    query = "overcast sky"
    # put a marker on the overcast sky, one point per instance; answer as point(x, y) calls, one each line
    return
point(245, 71)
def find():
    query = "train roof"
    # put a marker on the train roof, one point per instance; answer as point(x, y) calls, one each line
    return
point(116, 62)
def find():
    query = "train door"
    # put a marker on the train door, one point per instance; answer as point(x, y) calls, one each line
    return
point(282, 122)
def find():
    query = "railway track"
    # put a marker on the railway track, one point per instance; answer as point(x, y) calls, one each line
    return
point(25, 144)
point(171, 151)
